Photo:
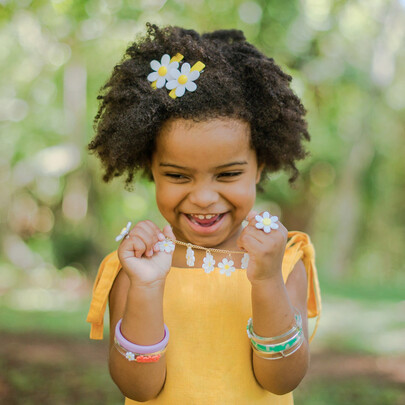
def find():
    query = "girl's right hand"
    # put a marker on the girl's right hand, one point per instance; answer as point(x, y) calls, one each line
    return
point(140, 257)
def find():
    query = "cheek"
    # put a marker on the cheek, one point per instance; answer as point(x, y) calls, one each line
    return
point(167, 197)
point(243, 194)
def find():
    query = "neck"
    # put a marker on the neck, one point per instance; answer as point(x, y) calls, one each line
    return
point(228, 249)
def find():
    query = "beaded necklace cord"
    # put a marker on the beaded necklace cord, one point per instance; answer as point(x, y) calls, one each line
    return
point(213, 250)
point(226, 266)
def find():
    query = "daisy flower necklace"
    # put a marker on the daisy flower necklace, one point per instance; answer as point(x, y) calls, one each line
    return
point(226, 266)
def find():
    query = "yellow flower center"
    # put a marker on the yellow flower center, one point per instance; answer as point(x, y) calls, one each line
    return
point(183, 79)
point(162, 70)
point(226, 267)
point(266, 221)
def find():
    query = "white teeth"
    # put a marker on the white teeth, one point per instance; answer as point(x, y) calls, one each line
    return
point(204, 216)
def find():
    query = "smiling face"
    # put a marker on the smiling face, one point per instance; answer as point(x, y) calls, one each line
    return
point(205, 175)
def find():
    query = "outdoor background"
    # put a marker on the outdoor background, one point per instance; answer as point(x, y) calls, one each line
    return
point(57, 219)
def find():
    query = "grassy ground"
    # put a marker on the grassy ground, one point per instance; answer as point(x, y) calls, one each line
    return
point(46, 358)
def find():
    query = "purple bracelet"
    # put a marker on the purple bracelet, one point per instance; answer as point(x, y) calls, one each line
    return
point(127, 345)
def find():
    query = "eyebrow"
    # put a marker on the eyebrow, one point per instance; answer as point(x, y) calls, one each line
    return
point(241, 163)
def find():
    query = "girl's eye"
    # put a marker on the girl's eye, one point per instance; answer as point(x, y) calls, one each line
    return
point(229, 174)
point(176, 176)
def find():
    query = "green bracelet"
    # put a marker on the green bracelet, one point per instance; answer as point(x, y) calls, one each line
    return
point(282, 354)
point(279, 347)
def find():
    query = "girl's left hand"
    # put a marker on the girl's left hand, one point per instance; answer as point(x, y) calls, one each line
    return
point(266, 250)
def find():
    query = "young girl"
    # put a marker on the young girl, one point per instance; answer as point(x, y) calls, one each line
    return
point(205, 117)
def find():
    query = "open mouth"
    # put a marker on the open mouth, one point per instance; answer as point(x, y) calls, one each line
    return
point(205, 220)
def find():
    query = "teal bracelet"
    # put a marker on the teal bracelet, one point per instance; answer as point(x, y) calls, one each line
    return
point(282, 354)
point(279, 347)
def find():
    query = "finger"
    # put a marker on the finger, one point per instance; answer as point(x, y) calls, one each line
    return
point(161, 236)
point(247, 242)
point(168, 232)
point(251, 232)
point(135, 244)
point(150, 226)
point(251, 215)
point(145, 236)
point(150, 234)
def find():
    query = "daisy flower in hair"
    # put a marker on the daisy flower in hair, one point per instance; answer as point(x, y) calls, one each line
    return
point(162, 70)
point(183, 80)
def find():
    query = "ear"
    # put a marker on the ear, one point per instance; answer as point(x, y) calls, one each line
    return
point(259, 172)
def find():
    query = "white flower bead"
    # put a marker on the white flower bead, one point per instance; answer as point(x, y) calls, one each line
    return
point(245, 261)
point(208, 263)
point(183, 80)
point(166, 246)
point(226, 267)
point(266, 222)
point(162, 70)
point(130, 356)
point(124, 232)
point(190, 257)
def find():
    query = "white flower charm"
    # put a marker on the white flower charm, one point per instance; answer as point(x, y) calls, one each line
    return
point(130, 356)
point(183, 80)
point(245, 261)
point(124, 232)
point(208, 263)
point(190, 257)
point(166, 246)
point(226, 267)
point(162, 70)
point(266, 222)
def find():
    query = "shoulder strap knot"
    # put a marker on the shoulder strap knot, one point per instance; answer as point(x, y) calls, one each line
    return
point(106, 275)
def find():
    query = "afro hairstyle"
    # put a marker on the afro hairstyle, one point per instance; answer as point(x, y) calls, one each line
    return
point(238, 81)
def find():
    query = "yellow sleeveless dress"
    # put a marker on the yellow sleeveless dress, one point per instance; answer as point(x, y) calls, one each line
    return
point(209, 355)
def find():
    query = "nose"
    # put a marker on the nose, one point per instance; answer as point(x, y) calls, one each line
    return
point(203, 196)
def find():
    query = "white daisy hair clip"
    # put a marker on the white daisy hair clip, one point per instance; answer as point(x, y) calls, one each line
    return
point(266, 222)
point(162, 70)
point(167, 72)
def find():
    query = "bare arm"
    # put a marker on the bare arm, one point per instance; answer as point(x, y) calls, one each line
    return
point(273, 303)
point(142, 311)
point(273, 314)
point(137, 298)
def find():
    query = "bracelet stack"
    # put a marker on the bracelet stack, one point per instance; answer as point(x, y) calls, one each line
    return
point(140, 354)
point(277, 347)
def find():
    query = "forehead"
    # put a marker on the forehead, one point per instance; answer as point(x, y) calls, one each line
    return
point(209, 143)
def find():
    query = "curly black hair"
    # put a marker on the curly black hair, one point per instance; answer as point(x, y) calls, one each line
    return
point(238, 82)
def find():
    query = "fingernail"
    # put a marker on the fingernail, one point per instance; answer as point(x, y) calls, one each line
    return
point(161, 236)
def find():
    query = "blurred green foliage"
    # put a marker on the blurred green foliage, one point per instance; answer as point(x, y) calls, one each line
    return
point(347, 60)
